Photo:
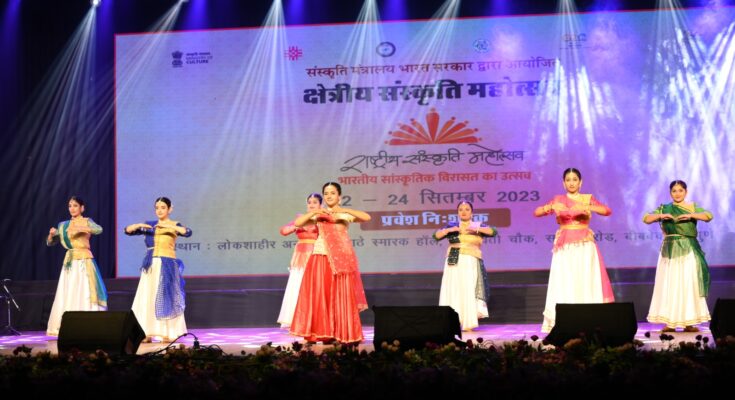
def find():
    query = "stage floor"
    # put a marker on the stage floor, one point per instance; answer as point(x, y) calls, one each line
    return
point(249, 340)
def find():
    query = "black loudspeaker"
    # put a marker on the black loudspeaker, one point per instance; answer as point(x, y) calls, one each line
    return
point(611, 324)
point(111, 331)
point(723, 319)
point(413, 327)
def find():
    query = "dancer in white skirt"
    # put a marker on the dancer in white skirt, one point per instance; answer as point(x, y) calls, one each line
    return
point(307, 235)
point(160, 300)
point(464, 281)
point(577, 274)
point(80, 286)
point(682, 275)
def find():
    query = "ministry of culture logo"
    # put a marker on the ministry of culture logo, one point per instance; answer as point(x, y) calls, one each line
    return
point(386, 49)
point(481, 46)
point(573, 40)
point(433, 132)
point(177, 63)
point(294, 53)
point(197, 57)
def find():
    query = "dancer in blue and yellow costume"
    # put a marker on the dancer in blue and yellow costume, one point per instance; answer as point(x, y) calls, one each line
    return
point(80, 286)
point(464, 281)
point(160, 302)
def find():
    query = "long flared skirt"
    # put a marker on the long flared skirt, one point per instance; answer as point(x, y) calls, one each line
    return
point(73, 293)
point(347, 325)
point(575, 277)
point(326, 308)
point(676, 300)
point(144, 307)
point(290, 296)
point(458, 290)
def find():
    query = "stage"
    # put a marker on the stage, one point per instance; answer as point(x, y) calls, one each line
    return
point(248, 340)
point(194, 131)
point(253, 302)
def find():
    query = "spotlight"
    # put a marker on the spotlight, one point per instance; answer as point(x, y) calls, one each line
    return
point(95, 3)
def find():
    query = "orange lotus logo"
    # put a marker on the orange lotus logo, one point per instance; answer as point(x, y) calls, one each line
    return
point(432, 133)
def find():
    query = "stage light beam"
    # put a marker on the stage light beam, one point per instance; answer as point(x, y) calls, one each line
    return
point(689, 90)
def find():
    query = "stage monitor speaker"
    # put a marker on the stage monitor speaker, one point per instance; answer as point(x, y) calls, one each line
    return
point(723, 319)
point(413, 327)
point(611, 324)
point(115, 332)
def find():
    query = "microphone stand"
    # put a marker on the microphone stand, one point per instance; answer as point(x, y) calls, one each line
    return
point(8, 330)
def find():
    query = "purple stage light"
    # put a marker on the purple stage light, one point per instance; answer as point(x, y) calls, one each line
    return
point(295, 12)
point(394, 10)
point(9, 33)
point(11, 15)
point(499, 7)
point(195, 14)
point(605, 5)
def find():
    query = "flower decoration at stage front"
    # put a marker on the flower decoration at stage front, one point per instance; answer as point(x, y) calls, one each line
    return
point(432, 132)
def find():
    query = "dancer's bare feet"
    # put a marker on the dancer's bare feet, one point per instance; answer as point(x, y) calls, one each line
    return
point(691, 328)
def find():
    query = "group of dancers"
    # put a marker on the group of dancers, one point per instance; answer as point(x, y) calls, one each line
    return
point(324, 294)
point(159, 302)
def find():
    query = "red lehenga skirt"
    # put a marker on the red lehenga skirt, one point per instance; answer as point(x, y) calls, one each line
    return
point(326, 308)
point(347, 326)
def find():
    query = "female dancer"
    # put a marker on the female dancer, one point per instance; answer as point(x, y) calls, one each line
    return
point(464, 282)
point(80, 286)
point(682, 275)
point(577, 273)
point(307, 235)
point(332, 294)
point(160, 300)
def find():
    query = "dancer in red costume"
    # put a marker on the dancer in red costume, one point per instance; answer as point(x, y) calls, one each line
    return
point(577, 273)
point(332, 294)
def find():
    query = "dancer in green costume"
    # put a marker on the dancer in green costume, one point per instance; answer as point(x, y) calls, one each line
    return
point(682, 275)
